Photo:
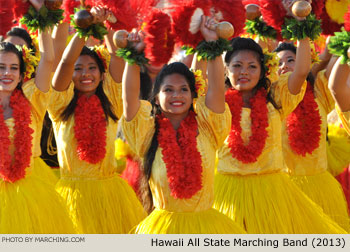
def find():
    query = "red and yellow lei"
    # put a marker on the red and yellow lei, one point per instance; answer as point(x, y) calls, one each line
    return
point(181, 156)
point(90, 129)
point(304, 125)
point(13, 168)
point(259, 117)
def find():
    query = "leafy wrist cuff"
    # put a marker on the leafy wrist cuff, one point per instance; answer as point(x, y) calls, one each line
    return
point(130, 55)
point(260, 28)
point(294, 29)
point(40, 20)
point(339, 45)
point(210, 50)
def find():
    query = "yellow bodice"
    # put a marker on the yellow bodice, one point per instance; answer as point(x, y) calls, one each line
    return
point(213, 129)
point(271, 158)
point(71, 166)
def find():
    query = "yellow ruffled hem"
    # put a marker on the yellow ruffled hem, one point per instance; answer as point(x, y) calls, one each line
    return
point(205, 222)
point(32, 206)
point(270, 204)
point(338, 149)
point(107, 206)
point(326, 191)
point(43, 171)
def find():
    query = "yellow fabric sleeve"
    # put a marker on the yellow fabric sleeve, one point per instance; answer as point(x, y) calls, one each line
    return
point(287, 101)
point(139, 131)
point(345, 119)
point(322, 92)
point(215, 126)
point(113, 91)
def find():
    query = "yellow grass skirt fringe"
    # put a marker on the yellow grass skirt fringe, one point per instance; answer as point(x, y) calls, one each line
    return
point(105, 206)
point(338, 149)
point(161, 221)
point(32, 206)
point(326, 191)
point(270, 204)
point(43, 171)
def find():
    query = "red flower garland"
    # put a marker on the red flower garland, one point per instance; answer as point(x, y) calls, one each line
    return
point(250, 152)
point(13, 169)
point(304, 125)
point(90, 129)
point(181, 156)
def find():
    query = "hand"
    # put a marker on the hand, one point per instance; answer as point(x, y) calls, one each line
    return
point(207, 29)
point(100, 14)
point(136, 38)
point(37, 4)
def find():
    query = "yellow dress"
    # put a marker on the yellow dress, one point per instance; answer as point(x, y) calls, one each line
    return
point(99, 201)
point(310, 172)
point(31, 205)
point(260, 196)
point(338, 148)
point(182, 216)
point(345, 118)
point(40, 169)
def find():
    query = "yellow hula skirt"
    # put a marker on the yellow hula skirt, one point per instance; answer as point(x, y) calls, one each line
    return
point(326, 191)
point(32, 206)
point(338, 149)
point(161, 221)
point(43, 171)
point(101, 206)
point(270, 204)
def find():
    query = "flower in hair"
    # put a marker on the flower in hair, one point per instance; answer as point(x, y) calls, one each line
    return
point(30, 61)
point(201, 85)
point(103, 54)
point(314, 55)
point(271, 65)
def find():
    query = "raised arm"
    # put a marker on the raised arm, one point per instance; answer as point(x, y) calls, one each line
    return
point(65, 68)
point(325, 57)
point(43, 71)
point(215, 97)
point(117, 64)
point(131, 82)
point(302, 66)
point(59, 36)
point(339, 84)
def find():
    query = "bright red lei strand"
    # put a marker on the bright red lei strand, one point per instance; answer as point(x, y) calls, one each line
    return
point(259, 117)
point(181, 156)
point(304, 125)
point(13, 169)
point(90, 129)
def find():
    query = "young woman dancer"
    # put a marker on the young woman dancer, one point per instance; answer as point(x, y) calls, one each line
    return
point(177, 136)
point(251, 186)
point(28, 204)
point(304, 141)
point(85, 112)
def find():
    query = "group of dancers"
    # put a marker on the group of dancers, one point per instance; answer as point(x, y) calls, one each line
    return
point(227, 149)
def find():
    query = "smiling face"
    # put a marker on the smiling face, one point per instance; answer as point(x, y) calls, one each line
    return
point(87, 75)
point(9, 71)
point(244, 70)
point(286, 61)
point(174, 97)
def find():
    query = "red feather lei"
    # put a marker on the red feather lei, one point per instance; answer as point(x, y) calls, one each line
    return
point(90, 129)
point(259, 117)
point(304, 125)
point(347, 20)
point(13, 169)
point(181, 156)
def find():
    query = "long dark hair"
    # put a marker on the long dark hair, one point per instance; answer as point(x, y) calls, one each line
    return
point(106, 105)
point(173, 68)
point(239, 44)
point(6, 47)
point(285, 46)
